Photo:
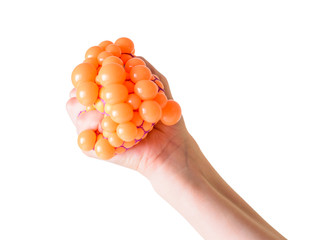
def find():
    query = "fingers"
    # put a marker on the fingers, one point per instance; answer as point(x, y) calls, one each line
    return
point(162, 78)
point(73, 93)
point(89, 120)
point(74, 108)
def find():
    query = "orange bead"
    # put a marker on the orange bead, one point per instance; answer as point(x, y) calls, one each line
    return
point(121, 112)
point(137, 120)
point(104, 44)
point(171, 113)
point(112, 73)
point(93, 61)
point(150, 111)
point(93, 52)
point(129, 144)
point(129, 85)
point(159, 83)
point(134, 100)
point(115, 140)
point(125, 58)
point(84, 72)
point(99, 137)
point(114, 49)
point(140, 72)
point(127, 131)
point(106, 134)
point(120, 150)
point(87, 93)
point(112, 59)
point(140, 134)
point(146, 89)
point(107, 108)
point(87, 140)
point(133, 62)
point(147, 126)
point(104, 150)
point(108, 124)
point(125, 44)
point(114, 93)
point(103, 55)
point(162, 99)
point(99, 105)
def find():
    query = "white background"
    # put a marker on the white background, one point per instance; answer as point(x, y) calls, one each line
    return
point(246, 74)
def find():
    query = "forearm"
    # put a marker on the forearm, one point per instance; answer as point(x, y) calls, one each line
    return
point(206, 201)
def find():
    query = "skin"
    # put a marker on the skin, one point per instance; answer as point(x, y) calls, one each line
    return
point(179, 172)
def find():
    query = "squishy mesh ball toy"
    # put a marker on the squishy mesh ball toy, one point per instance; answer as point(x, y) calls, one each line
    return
point(119, 85)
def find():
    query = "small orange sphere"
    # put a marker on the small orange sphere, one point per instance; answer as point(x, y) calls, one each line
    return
point(108, 124)
point(84, 72)
point(171, 113)
point(140, 72)
point(133, 62)
point(134, 100)
point(140, 134)
point(104, 44)
point(121, 112)
point(87, 140)
point(103, 55)
point(114, 49)
point(127, 131)
point(150, 111)
point(137, 120)
point(125, 44)
point(112, 59)
point(129, 85)
point(87, 93)
point(159, 83)
point(162, 99)
point(93, 52)
point(103, 149)
point(146, 89)
point(125, 58)
point(115, 140)
point(112, 73)
point(114, 93)
point(93, 61)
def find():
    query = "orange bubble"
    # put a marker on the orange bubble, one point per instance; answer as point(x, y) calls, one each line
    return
point(92, 61)
point(137, 120)
point(114, 140)
point(162, 99)
point(140, 133)
point(93, 52)
point(171, 113)
point(129, 144)
point(140, 72)
point(104, 150)
point(108, 124)
point(150, 111)
point(87, 140)
point(107, 108)
point(125, 58)
point(146, 89)
point(99, 105)
point(106, 134)
point(112, 59)
point(99, 136)
point(132, 63)
point(114, 49)
point(114, 93)
point(134, 101)
point(112, 73)
point(103, 55)
point(159, 83)
point(127, 131)
point(147, 126)
point(120, 150)
point(129, 85)
point(121, 112)
point(104, 44)
point(125, 44)
point(87, 93)
point(84, 72)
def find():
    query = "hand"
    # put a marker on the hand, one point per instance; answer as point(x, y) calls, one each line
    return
point(151, 153)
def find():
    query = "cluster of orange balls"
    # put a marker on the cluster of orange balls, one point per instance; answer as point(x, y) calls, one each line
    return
point(120, 86)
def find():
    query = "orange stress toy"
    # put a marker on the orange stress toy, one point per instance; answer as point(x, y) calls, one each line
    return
point(112, 81)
